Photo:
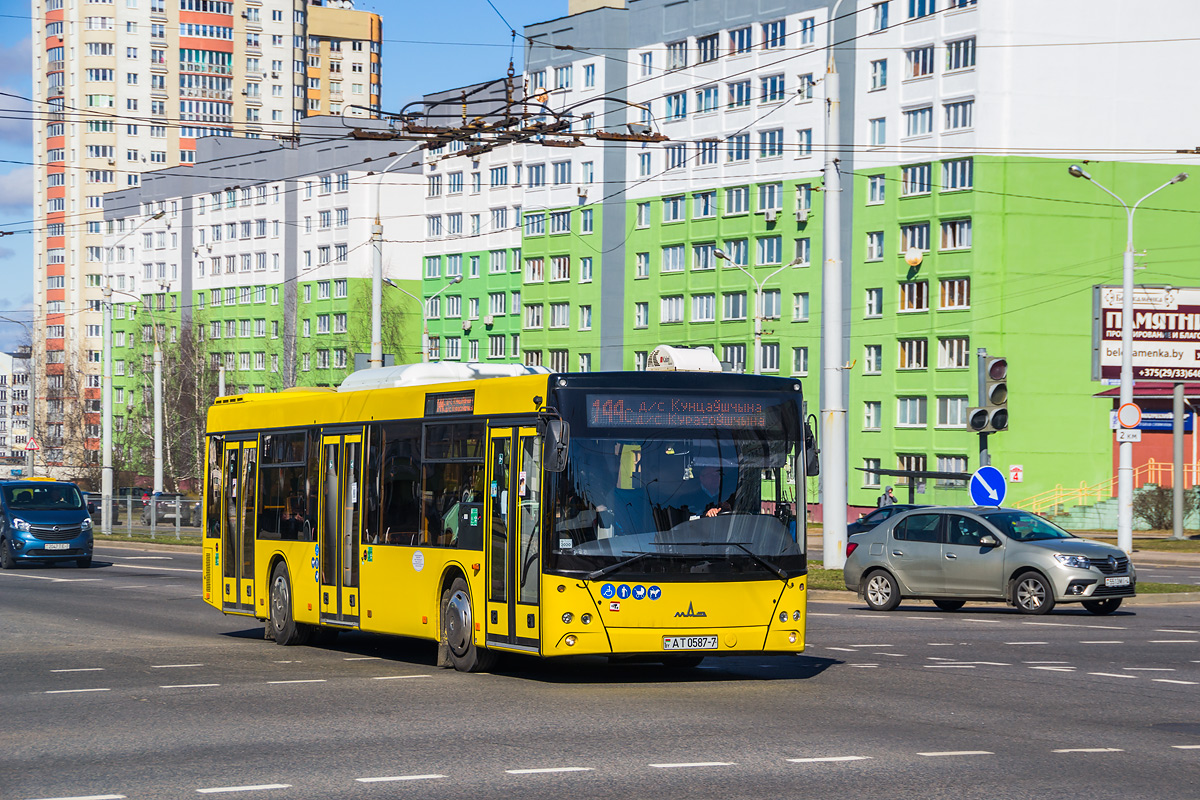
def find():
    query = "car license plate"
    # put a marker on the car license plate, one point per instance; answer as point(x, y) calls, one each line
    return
point(689, 643)
point(57, 546)
point(1122, 581)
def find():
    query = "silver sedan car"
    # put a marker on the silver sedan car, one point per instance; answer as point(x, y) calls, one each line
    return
point(955, 555)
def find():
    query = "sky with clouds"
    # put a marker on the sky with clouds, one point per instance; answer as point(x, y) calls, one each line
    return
point(421, 55)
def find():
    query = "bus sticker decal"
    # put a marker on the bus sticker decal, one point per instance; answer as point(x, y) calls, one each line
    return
point(521, 483)
point(654, 592)
point(623, 591)
point(639, 592)
point(607, 591)
point(615, 605)
point(418, 560)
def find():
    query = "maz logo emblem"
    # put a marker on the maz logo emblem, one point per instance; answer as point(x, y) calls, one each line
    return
point(690, 613)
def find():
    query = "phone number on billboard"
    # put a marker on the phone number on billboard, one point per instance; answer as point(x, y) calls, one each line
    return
point(1167, 372)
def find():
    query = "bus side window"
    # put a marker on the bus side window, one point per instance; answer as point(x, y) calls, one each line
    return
point(399, 478)
point(212, 494)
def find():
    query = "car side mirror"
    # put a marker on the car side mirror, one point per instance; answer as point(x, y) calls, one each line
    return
point(558, 436)
point(988, 540)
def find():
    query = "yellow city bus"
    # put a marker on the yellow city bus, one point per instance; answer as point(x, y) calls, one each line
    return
point(630, 514)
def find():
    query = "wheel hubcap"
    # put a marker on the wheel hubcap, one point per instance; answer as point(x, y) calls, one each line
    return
point(279, 603)
point(879, 590)
point(1031, 594)
point(458, 623)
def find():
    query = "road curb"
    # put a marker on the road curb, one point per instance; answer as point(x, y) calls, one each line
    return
point(832, 595)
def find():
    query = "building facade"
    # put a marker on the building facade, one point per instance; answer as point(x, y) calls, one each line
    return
point(131, 88)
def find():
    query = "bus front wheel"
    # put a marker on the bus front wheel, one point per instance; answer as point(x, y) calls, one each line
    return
point(284, 628)
point(458, 630)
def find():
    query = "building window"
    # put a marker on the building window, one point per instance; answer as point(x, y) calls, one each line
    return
point(872, 414)
point(954, 353)
point(774, 34)
point(770, 250)
point(874, 303)
point(956, 234)
point(870, 473)
point(916, 235)
point(704, 256)
point(641, 315)
point(800, 361)
point(737, 200)
point(952, 464)
point(958, 174)
point(878, 131)
point(959, 115)
point(739, 147)
point(910, 412)
point(770, 143)
point(874, 246)
point(707, 47)
point(879, 74)
point(704, 307)
point(800, 307)
point(872, 359)
point(740, 41)
point(921, 8)
point(643, 215)
point(913, 354)
point(739, 94)
point(772, 89)
point(677, 106)
point(955, 293)
point(960, 54)
point(560, 315)
point(642, 265)
point(673, 208)
point(952, 412)
point(734, 306)
point(803, 256)
point(910, 462)
point(879, 18)
point(671, 309)
point(673, 258)
point(769, 358)
point(914, 179)
point(914, 296)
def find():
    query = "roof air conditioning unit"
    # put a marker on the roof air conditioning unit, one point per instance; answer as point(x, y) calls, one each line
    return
point(489, 320)
point(466, 324)
point(771, 214)
point(802, 215)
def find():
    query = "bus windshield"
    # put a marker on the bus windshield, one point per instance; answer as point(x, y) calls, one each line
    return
point(698, 503)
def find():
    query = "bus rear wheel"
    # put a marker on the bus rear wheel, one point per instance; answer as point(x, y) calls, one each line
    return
point(284, 628)
point(458, 631)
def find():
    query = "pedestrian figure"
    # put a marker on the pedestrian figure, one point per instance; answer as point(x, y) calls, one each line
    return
point(888, 498)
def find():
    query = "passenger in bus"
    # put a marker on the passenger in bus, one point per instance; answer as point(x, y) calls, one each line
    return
point(702, 494)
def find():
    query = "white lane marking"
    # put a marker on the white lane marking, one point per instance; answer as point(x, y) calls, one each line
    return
point(815, 614)
point(958, 753)
point(1101, 641)
point(872, 645)
point(174, 666)
point(1186, 746)
point(89, 797)
point(940, 658)
point(1090, 750)
point(429, 777)
point(686, 765)
point(1173, 641)
point(75, 691)
point(986, 663)
point(893, 655)
point(189, 685)
point(546, 770)
point(1027, 643)
point(949, 666)
point(1111, 675)
point(927, 618)
point(865, 666)
point(1045, 662)
point(80, 669)
point(842, 649)
point(123, 588)
point(307, 680)
point(258, 788)
point(1076, 625)
point(984, 620)
point(142, 558)
point(825, 759)
point(940, 644)
point(1056, 669)
point(396, 677)
point(1170, 630)
point(361, 658)
point(161, 569)
point(1149, 669)
point(1181, 683)
point(48, 578)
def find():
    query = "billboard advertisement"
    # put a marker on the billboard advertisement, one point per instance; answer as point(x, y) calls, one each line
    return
point(1166, 333)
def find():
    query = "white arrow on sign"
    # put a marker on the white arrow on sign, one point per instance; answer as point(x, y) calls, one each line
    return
point(992, 493)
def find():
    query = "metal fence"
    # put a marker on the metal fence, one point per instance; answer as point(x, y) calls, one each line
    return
point(157, 517)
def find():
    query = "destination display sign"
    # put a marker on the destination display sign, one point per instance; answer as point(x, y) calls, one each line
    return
point(1166, 333)
point(638, 410)
point(450, 403)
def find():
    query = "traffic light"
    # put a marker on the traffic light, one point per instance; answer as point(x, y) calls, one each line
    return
point(993, 415)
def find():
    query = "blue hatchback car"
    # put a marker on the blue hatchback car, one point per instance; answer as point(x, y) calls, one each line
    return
point(43, 520)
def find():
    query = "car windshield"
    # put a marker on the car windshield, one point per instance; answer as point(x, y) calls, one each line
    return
point(1026, 527)
point(43, 497)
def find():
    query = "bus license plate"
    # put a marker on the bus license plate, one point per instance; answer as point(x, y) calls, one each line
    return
point(1122, 581)
point(689, 643)
point(57, 546)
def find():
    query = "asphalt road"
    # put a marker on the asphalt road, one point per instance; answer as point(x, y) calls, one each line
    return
point(119, 681)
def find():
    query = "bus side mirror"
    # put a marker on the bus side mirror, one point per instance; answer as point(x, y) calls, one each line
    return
point(812, 453)
point(558, 436)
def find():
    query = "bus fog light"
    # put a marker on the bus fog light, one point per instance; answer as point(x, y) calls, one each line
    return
point(792, 637)
point(570, 640)
point(586, 619)
point(567, 617)
point(796, 616)
point(783, 616)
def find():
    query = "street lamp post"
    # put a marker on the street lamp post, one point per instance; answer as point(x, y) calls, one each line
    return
point(457, 279)
point(106, 472)
point(1125, 453)
point(376, 360)
point(758, 305)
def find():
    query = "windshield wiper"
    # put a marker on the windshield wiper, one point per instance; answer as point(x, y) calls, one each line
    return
point(600, 573)
point(762, 562)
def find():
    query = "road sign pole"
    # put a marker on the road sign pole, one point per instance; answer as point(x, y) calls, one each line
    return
point(985, 458)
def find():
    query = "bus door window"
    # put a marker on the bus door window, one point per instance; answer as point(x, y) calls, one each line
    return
point(230, 518)
point(249, 479)
point(498, 490)
point(212, 496)
point(529, 499)
point(329, 538)
point(350, 517)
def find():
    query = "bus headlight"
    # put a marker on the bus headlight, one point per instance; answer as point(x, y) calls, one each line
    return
point(567, 617)
point(792, 637)
point(570, 640)
point(586, 619)
point(796, 616)
point(783, 616)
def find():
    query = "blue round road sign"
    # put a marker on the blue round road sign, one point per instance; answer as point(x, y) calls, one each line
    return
point(988, 487)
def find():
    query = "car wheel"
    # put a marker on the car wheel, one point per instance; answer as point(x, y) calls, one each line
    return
point(458, 631)
point(881, 592)
point(284, 629)
point(1032, 594)
point(6, 557)
point(949, 605)
point(1106, 606)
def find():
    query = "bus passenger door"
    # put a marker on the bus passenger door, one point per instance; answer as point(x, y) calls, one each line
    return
point(339, 527)
point(239, 480)
point(514, 510)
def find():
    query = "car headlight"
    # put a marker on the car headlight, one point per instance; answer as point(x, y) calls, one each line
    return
point(20, 524)
point(86, 525)
point(1078, 562)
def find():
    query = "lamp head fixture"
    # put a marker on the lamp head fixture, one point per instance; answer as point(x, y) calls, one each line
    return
point(721, 255)
point(159, 215)
point(456, 279)
point(1180, 178)
point(1078, 172)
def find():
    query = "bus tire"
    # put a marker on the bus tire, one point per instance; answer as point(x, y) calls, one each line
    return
point(284, 629)
point(458, 631)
